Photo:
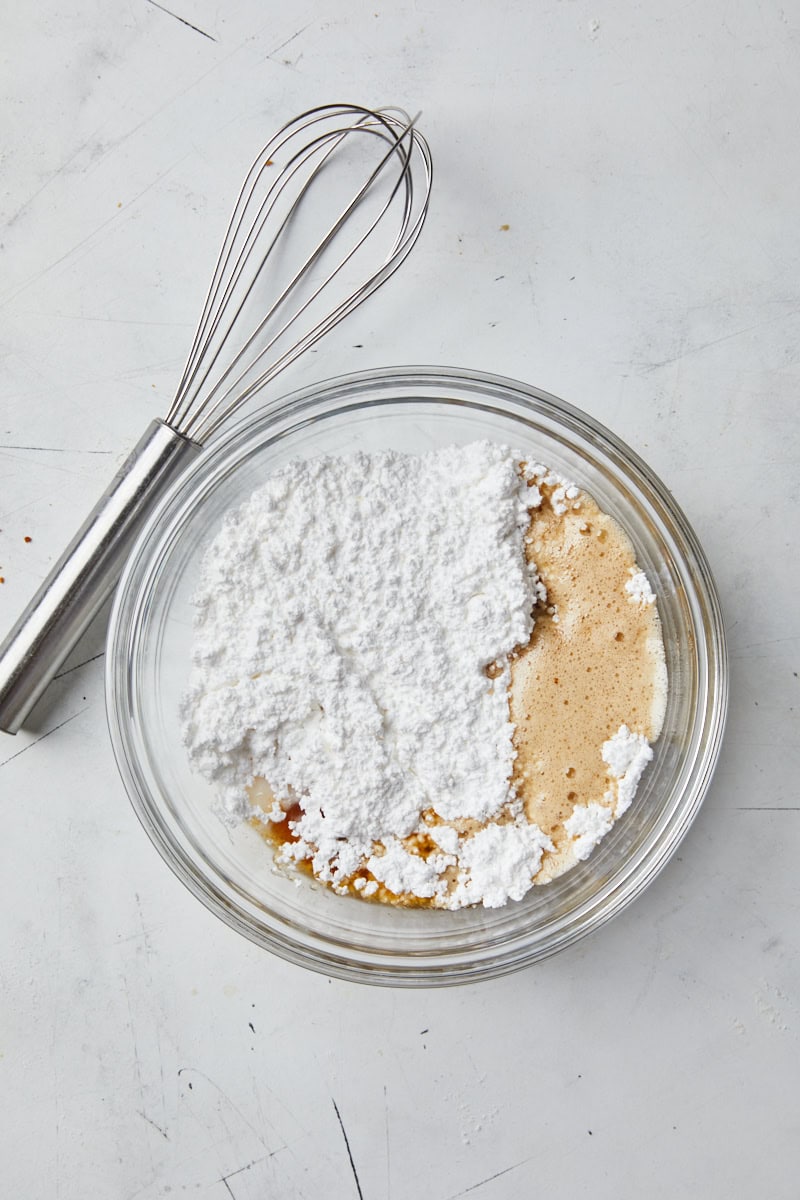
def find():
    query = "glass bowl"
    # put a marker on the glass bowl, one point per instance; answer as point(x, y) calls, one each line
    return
point(231, 870)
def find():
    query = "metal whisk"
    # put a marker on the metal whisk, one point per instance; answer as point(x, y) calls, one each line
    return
point(268, 302)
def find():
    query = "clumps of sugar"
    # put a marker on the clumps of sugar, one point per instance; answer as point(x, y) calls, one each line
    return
point(498, 863)
point(626, 755)
point(587, 825)
point(402, 872)
point(563, 495)
point(638, 588)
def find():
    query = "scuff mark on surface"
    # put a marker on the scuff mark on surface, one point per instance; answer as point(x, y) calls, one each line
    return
point(78, 666)
point(182, 20)
point(55, 449)
point(277, 49)
point(150, 1121)
point(347, 1147)
point(41, 738)
point(482, 1182)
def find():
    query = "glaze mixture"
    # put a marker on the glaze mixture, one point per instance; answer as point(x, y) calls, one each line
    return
point(428, 680)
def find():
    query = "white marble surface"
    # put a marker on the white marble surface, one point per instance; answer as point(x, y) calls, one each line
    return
point(644, 157)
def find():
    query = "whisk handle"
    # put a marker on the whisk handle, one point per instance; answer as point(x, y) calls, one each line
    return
point(86, 573)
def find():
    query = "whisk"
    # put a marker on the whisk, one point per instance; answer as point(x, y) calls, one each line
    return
point(243, 340)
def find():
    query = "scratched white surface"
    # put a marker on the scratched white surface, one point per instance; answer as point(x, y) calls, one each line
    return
point(644, 157)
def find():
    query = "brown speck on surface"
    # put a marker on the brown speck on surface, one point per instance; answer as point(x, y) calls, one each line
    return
point(504, 228)
point(27, 539)
point(268, 163)
point(2, 578)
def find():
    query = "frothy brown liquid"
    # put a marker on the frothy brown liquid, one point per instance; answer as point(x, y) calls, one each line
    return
point(594, 664)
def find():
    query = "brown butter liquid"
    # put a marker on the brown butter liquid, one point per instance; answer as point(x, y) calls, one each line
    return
point(598, 666)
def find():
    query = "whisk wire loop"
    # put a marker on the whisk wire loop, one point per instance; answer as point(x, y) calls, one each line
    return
point(206, 397)
point(233, 389)
point(294, 166)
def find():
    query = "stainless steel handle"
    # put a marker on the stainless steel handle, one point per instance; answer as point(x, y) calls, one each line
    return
point(87, 572)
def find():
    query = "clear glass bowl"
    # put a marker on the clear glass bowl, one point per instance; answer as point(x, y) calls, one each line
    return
point(231, 871)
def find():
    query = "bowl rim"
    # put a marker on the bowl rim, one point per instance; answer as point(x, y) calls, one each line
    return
point(392, 968)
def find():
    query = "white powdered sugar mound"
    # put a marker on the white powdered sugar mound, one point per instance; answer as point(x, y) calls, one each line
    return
point(587, 825)
point(346, 615)
point(497, 864)
point(402, 872)
point(639, 590)
point(626, 755)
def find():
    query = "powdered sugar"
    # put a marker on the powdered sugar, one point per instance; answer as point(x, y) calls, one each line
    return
point(402, 872)
point(498, 864)
point(626, 754)
point(345, 619)
point(587, 825)
point(639, 590)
